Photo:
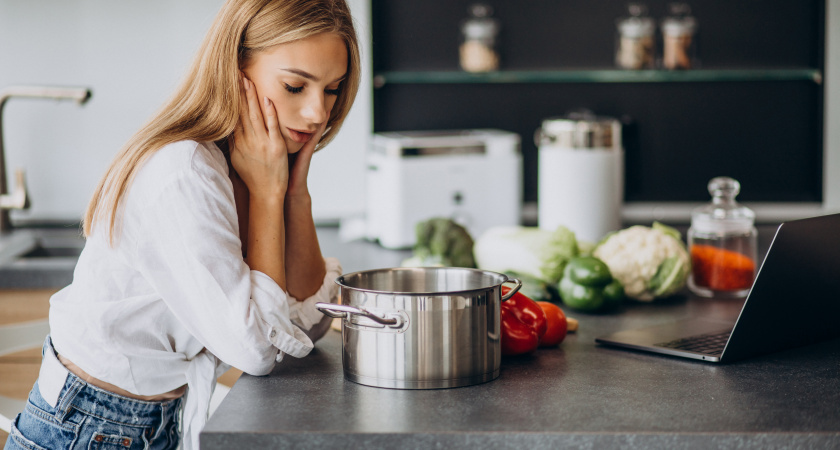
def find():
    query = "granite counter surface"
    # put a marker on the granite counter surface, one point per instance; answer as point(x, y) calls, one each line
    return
point(580, 395)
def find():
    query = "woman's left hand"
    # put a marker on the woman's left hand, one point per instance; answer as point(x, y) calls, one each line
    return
point(306, 269)
point(299, 165)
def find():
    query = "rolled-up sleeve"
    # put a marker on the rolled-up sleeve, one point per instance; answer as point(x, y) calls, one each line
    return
point(291, 339)
point(304, 313)
point(188, 249)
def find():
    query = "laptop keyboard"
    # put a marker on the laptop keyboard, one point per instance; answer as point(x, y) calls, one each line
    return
point(707, 344)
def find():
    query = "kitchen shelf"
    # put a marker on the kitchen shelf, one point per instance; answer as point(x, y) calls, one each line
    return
point(596, 76)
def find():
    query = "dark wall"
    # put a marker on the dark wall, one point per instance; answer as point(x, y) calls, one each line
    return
point(767, 134)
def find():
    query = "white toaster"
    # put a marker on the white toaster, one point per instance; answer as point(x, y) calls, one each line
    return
point(471, 176)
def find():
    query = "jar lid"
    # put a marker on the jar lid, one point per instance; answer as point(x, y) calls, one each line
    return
point(636, 27)
point(580, 129)
point(480, 24)
point(483, 28)
point(679, 26)
point(724, 215)
point(680, 22)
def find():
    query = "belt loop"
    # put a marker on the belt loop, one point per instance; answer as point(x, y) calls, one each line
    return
point(66, 403)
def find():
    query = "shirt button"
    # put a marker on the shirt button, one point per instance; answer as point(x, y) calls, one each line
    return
point(273, 333)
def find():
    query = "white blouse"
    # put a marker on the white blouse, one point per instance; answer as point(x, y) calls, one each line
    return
point(173, 302)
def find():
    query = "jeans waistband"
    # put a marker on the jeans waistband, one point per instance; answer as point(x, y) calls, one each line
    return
point(75, 393)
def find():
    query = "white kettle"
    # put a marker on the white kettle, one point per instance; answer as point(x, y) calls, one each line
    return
point(581, 174)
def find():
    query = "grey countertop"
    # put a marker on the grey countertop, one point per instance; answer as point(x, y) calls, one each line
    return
point(579, 395)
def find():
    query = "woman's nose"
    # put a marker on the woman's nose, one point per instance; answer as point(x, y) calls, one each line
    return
point(315, 109)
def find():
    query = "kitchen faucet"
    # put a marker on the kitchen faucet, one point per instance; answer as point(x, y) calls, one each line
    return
point(19, 199)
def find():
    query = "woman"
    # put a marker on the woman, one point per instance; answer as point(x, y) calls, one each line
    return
point(201, 248)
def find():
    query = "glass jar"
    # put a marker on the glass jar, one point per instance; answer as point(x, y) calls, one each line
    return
point(478, 52)
point(722, 241)
point(678, 38)
point(634, 47)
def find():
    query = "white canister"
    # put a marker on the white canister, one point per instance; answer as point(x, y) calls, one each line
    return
point(581, 174)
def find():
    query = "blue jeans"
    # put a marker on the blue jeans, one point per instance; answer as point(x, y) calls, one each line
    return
point(87, 417)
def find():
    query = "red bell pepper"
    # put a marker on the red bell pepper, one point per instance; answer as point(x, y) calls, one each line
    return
point(523, 324)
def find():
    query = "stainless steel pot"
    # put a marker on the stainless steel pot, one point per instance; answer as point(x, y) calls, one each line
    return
point(421, 327)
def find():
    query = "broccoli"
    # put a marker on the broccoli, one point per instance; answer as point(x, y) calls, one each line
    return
point(442, 242)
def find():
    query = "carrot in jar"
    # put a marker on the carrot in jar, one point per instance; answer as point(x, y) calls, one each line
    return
point(720, 269)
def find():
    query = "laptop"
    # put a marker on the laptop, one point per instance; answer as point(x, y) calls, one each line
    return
point(794, 301)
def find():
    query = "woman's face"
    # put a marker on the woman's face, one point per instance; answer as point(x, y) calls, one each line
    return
point(302, 79)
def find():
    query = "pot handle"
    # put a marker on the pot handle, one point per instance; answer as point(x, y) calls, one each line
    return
point(513, 290)
point(341, 311)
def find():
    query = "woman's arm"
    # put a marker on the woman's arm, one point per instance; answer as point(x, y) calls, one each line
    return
point(259, 156)
point(281, 237)
point(305, 270)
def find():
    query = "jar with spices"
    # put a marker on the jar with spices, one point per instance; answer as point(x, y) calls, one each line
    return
point(634, 48)
point(478, 52)
point(722, 241)
point(678, 38)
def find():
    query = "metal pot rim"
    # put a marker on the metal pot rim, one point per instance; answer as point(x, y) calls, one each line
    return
point(504, 279)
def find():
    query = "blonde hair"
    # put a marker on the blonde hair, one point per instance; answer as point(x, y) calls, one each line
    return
point(205, 107)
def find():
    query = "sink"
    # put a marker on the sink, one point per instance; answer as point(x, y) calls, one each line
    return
point(53, 252)
point(39, 257)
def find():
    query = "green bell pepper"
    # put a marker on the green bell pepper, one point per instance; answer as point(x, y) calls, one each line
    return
point(587, 285)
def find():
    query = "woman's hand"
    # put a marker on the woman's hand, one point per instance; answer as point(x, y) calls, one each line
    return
point(259, 152)
point(260, 158)
point(307, 274)
point(299, 163)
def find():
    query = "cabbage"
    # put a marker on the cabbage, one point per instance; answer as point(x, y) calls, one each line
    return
point(529, 251)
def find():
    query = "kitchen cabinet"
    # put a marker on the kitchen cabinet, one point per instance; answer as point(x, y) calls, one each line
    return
point(753, 109)
point(22, 312)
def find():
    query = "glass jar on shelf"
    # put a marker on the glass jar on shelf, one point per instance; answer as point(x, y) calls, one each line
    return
point(635, 44)
point(478, 51)
point(679, 42)
point(722, 241)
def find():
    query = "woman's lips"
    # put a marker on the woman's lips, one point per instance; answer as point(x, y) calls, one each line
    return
point(300, 136)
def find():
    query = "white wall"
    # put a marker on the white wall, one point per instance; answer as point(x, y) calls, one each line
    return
point(831, 183)
point(337, 181)
point(132, 55)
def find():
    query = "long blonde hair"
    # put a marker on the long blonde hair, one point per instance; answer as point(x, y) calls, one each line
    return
point(205, 107)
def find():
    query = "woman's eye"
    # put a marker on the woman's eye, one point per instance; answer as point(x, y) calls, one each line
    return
point(335, 91)
point(294, 89)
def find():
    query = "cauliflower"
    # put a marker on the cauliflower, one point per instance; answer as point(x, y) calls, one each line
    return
point(650, 262)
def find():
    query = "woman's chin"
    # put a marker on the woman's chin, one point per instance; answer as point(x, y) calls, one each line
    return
point(293, 147)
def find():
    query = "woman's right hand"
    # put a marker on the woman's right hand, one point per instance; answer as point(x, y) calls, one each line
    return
point(259, 153)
